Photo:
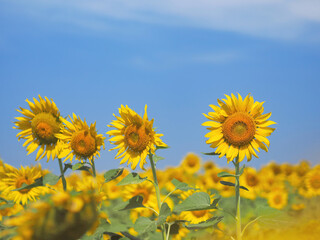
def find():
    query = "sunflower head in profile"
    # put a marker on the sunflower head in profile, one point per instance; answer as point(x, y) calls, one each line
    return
point(38, 127)
point(79, 140)
point(134, 137)
point(238, 127)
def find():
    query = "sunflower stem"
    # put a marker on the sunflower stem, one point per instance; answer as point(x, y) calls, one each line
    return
point(237, 188)
point(156, 186)
point(64, 182)
point(93, 168)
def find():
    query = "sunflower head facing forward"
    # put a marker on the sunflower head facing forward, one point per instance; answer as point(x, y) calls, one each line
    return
point(79, 140)
point(238, 127)
point(38, 127)
point(134, 136)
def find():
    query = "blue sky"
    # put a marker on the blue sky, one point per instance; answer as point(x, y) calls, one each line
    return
point(175, 56)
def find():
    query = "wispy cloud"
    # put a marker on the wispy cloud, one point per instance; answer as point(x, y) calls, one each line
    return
point(266, 18)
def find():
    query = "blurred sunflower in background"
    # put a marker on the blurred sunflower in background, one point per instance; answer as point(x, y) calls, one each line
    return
point(134, 137)
point(13, 178)
point(238, 128)
point(79, 140)
point(191, 163)
point(38, 127)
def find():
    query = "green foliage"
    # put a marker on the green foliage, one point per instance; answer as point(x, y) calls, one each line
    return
point(157, 158)
point(196, 202)
point(165, 211)
point(145, 225)
point(131, 178)
point(135, 202)
point(211, 154)
point(209, 223)
point(232, 185)
point(112, 174)
point(181, 186)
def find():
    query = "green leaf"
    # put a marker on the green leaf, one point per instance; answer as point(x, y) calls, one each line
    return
point(112, 174)
point(157, 158)
point(131, 178)
point(162, 147)
point(211, 154)
point(196, 202)
point(225, 174)
point(7, 205)
point(135, 202)
point(241, 170)
point(3, 200)
point(232, 185)
point(144, 224)
point(38, 182)
point(181, 185)
point(50, 179)
point(165, 211)
point(209, 223)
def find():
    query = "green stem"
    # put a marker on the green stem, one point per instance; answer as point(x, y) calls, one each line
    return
point(93, 168)
point(237, 187)
point(64, 182)
point(156, 186)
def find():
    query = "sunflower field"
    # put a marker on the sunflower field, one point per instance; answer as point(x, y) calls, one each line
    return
point(195, 200)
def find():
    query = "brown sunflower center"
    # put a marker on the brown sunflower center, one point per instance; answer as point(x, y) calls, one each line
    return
point(83, 144)
point(137, 137)
point(144, 193)
point(315, 181)
point(277, 199)
point(239, 129)
point(252, 180)
point(199, 214)
point(44, 126)
point(22, 181)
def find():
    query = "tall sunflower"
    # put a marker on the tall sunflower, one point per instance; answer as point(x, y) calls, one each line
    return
point(238, 128)
point(38, 127)
point(134, 136)
point(80, 140)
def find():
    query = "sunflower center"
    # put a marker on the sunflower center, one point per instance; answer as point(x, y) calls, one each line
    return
point(200, 213)
point(44, 126)
point(239, 129)
point(22, 181)
point(252, 180)
point(137, 137)
point(277, 199)
point(315, 182)
point(83, 144)
point(144, 193)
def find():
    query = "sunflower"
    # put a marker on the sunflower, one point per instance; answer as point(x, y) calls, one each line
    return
point(191, 163)
point(134, 136)
point(80, 140)
point(14, 178)
point(278, 199)
point(195, 217)
point(38, 127)
point(312, 181)
point(238, 128)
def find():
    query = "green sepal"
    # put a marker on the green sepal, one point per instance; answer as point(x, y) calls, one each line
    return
point(112, 174)
point(80, 166)
point(162, 147)
point(157, 158)
point(131, 178)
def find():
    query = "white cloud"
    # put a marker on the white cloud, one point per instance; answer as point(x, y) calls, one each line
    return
point(266, 18)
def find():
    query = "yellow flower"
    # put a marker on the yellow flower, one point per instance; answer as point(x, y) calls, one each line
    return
point(250, 180)
point(14, 178)
point(195, 217)
point(312, 181)
point(278, 199)
point(38, 127)
point(134, 136)
point(191, 163)
point(238, 128)
point(80, 140)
